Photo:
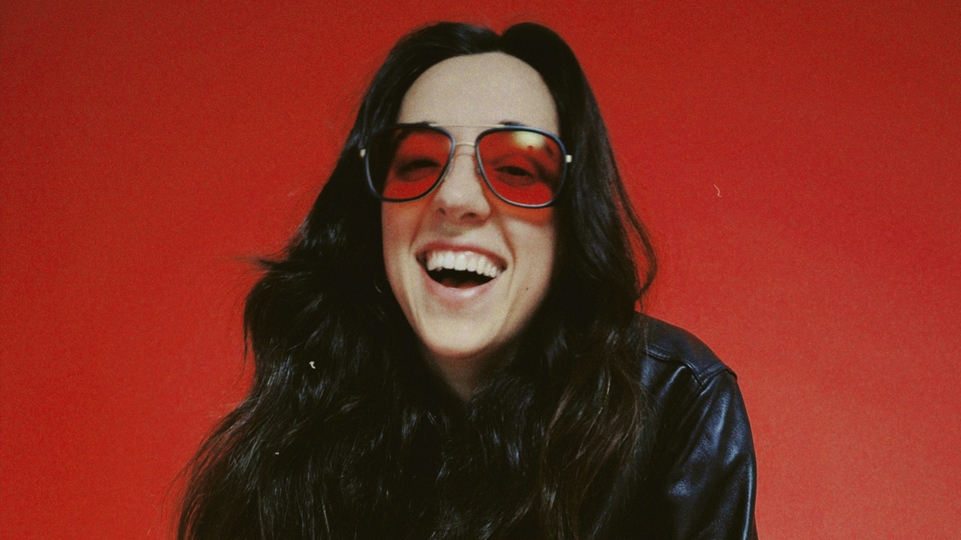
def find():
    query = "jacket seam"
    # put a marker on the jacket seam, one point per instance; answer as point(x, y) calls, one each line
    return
point(701, 378)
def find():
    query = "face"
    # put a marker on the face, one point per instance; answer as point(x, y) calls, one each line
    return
point(440, 251)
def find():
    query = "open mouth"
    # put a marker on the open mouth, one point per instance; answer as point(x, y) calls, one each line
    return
point(458, 279)
point(460, 270)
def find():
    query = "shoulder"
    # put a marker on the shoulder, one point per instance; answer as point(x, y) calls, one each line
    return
point(679, 372)
point(667, 347)
point(696, 462)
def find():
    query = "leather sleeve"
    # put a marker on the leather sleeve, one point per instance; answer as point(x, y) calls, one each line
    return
point(695, 476)
point(704, 458)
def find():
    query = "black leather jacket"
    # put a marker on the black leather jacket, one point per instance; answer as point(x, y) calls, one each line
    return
point(696, 476)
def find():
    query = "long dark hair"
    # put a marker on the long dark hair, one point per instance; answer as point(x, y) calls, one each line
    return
point(346, 433)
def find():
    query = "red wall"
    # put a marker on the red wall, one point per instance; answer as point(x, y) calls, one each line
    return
point(799, 167)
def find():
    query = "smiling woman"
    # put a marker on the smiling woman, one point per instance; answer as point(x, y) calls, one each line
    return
point(450, 349)
point(464, 323)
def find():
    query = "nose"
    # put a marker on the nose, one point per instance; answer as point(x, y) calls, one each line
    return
point(460, 195)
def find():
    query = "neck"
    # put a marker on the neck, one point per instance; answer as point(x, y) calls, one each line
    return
point(461, 379)
point(462, 374)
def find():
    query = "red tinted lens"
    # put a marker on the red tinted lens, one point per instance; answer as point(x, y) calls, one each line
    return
point(523, 167)
point(405, 163)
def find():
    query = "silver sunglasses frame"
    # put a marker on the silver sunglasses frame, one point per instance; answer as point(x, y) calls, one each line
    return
point(489, 128)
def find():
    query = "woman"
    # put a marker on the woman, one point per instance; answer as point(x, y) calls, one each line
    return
point(449, 347)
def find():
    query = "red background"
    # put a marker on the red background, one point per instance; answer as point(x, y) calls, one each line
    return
point(798, 164)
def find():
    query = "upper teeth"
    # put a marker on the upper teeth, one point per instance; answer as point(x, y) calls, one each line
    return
point(462, 260)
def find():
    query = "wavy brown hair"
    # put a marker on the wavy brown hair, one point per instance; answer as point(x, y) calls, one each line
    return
point(346, 433)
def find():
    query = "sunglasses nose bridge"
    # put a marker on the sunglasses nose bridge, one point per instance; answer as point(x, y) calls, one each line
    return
point(470, 154)
point(460, 192)
point(465, 144)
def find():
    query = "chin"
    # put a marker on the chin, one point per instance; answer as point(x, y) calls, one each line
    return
point(457, 345)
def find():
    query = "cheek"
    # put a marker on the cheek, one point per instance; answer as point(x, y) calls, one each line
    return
point(400, 225)
point(548, 254)
point(540, 247)
point(396, 231)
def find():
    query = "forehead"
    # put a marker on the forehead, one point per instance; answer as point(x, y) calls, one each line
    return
point(490, 88)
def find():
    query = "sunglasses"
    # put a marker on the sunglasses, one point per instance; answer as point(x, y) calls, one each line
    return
point(522, 166)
